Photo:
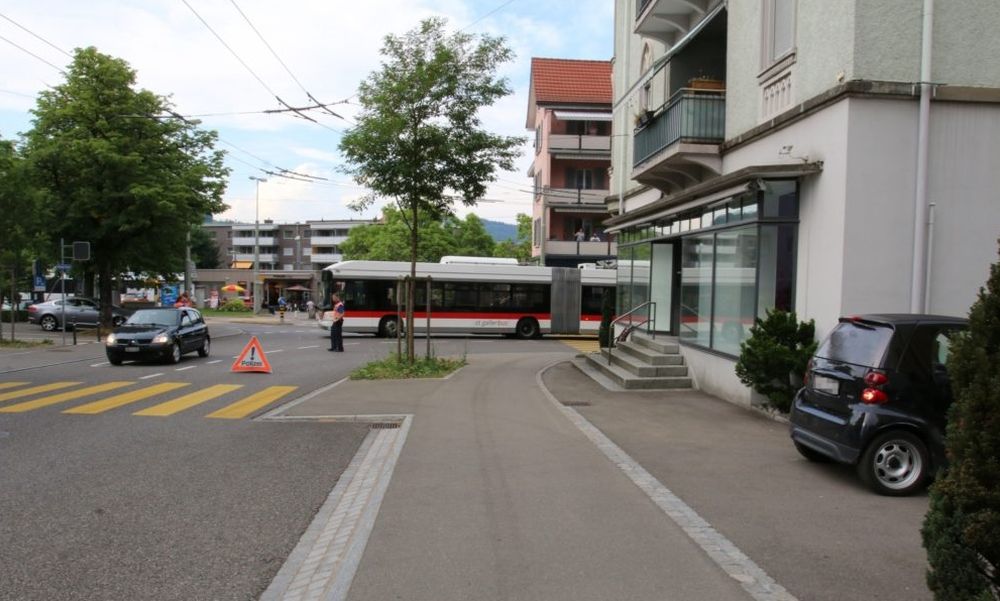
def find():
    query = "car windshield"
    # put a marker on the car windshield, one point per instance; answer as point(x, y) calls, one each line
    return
point(153, 317)
point(860, 344)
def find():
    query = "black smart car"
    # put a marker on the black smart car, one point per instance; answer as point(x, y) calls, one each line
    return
point(163, 334)
point(876, 396)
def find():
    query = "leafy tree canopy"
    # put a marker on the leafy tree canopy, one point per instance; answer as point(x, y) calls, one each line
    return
point(204, 250)
point(118, 171)
point(520, 248)
point(389, 240)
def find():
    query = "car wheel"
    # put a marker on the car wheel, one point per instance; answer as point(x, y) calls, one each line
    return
point(895, 464)
point(117, 320)
point(527, 328)
point(388, 327)
point(175, 353)
point(48, 323)
point(114, 360)
point(810, 453)
point(205, 347)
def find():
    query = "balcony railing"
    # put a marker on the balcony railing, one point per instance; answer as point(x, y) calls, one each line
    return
point(327, 240)
point(579, 142)
point(640, 6)
point(324, 258)
point(248, 241)
point(691, 115)
point(264, 257)
point(574, 196)
point(590, 249)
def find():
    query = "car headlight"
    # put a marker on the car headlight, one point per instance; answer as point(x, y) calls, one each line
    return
point(111, 340)
point(161, 339)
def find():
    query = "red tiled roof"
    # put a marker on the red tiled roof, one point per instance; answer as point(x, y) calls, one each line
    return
point(571, 81)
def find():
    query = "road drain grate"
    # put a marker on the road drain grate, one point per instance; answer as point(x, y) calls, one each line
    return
point(384, 426)
point(576, 403)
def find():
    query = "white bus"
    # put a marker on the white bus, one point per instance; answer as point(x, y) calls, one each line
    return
point(466, 298)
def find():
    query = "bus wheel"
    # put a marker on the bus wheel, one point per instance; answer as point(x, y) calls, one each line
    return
point(527, 328)
point(388, 327)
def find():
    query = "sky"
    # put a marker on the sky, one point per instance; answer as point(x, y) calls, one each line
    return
point(329, 46)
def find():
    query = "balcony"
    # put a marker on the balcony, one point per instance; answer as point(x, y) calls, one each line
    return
point(327, 240)
point(264, 257)
point(669, 20)
point(582, 249)
point(580, 144)
point(248, 241)
point(679, 145)
point(575, 198)
point(249, 227)
point(323, 259)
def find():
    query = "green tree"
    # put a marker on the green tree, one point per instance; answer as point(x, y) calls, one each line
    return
point(204, 250)
point(389, 240)
point(118, 174)
point(470, 237)
point(520, 248)
point(774, 358)
point(962, 529)
point(22, 234)
point(419, 138)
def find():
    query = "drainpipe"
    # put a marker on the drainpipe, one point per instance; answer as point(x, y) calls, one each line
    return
point(918, 286)
point(930, 256)
point(628, 103)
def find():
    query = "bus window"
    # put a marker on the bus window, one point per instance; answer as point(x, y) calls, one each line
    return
point(495, 296)
point(354, 294)
point(593, 299)
point(531, 297)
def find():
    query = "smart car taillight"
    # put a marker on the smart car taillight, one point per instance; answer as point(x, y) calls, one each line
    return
point(873, 395)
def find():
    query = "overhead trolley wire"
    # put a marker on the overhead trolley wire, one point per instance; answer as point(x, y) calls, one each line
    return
point(26, 51)
point(32, 33)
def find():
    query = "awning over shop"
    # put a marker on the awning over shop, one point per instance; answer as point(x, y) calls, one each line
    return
point(582, 116)
point(241, 265)
point(707, 192)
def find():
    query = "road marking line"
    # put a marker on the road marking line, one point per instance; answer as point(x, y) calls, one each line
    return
point(211, 362)
point(34, 389)
point(65, 396)
point(125, 398)
point(305, 347)
point(280, 350)
point(100, 364)
point(241, 409)
point(189, 400)
point(12, 384)
point(151, 376)
point(186, 368)
point(725, 554)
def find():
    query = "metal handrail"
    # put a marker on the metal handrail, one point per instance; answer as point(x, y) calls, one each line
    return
point(650, 320)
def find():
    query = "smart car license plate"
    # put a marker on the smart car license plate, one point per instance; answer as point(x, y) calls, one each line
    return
point(825, 384)
point(131, 349)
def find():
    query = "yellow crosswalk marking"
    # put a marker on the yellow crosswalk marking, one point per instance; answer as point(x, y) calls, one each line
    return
point(189, 400)
point(125, 398)
point(61, 397)
point(12, 384)
point(252, 403)
point(584, 346)
point(35, 390)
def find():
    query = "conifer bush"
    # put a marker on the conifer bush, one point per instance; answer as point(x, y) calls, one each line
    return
point(774, 358)
point(962, 529)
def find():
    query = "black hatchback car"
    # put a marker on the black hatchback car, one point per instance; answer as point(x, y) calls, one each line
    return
point(876, 395)
point(163, 334)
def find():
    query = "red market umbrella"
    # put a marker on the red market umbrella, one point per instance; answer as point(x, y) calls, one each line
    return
point(233, 288)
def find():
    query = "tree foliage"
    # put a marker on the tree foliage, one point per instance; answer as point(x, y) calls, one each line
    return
point(962, 529)
point(204, 250)
point(774, 358)
point(519, 248)
point(118, 172)
point(419, 138)
point(389, 240)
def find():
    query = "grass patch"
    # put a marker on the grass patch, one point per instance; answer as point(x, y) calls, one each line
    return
point(395, 368)
point(24, 343)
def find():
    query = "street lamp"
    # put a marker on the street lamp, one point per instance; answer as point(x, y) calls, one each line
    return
point(256, 243)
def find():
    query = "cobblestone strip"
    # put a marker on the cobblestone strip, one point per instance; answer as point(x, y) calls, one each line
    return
point(724, 553)
point(323, 563)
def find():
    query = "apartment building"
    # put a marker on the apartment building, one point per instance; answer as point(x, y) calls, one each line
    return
point(310, 245)
point(569, 110)
point(826, 158)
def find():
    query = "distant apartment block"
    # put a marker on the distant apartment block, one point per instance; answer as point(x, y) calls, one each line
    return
point(310, 245)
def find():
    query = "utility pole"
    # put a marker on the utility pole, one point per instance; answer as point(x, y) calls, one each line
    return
point(256, 245)
point(187, 267)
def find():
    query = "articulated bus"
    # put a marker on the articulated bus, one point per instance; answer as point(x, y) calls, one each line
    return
point(466, 298)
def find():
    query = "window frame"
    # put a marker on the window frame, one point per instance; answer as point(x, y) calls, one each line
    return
point(770, 62)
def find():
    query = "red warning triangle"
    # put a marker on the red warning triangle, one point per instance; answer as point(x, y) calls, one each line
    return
point(252, 358)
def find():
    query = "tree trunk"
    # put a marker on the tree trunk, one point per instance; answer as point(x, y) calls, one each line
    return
point(412, 285)
point(1, 313)
point(13, 301)
point(105, 297)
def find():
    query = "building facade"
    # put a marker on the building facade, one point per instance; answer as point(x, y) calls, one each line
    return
point(569, 111)
point(791, 154)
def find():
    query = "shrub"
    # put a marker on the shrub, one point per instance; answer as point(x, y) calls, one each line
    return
point(234, 305)
point(604, 337)
point(962, 529)
point(774, 358)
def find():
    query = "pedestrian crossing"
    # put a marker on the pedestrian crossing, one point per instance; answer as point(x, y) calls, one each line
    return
point(23, 397)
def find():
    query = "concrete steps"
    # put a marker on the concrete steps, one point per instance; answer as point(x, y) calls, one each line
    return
point(643, 363)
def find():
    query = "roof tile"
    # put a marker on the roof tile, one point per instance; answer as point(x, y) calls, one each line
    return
point(571, 81)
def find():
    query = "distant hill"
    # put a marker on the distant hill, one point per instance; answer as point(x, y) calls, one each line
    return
point(499, 230)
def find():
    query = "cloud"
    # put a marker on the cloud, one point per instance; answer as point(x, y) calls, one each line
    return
point(316, 153)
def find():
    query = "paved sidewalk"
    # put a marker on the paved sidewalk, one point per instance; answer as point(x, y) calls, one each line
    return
point(498, 495)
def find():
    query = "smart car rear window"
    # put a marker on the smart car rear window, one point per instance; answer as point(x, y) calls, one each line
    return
point(856, 343)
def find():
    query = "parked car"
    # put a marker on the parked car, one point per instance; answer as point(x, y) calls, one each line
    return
point(79, 310)
point(21, 306)
point(164, 334)
point(876, 396)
